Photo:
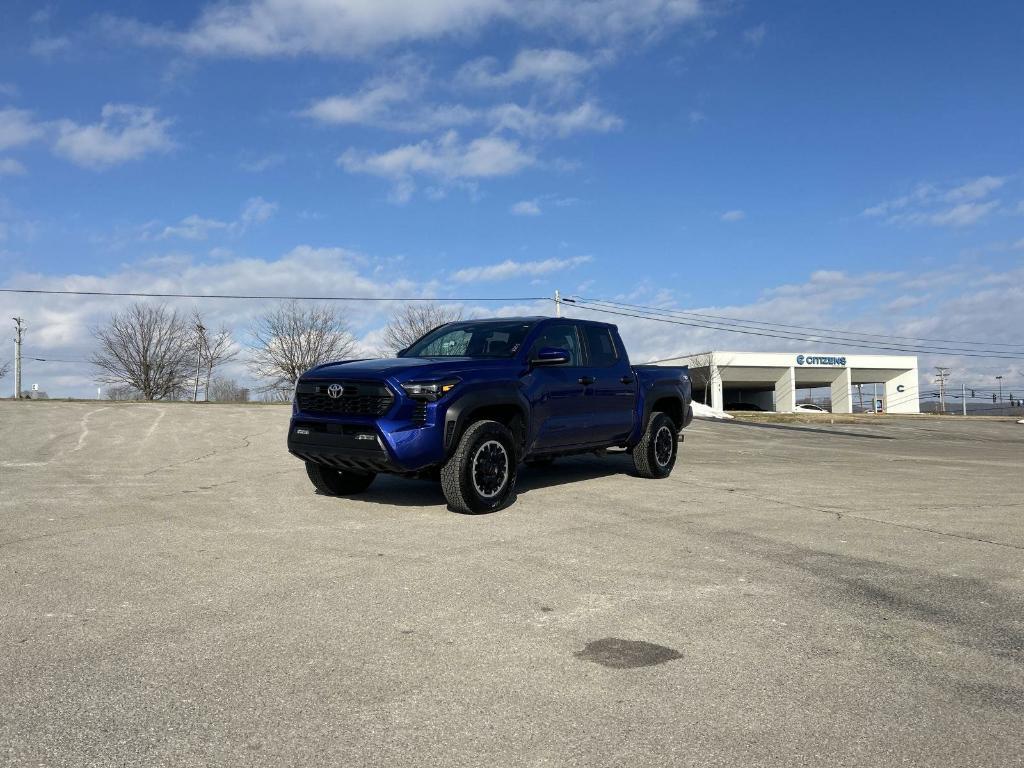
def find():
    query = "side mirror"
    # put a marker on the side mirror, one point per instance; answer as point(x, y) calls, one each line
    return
point(548, 356)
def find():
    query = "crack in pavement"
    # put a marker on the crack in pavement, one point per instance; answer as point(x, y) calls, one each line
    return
point(841, 513)
point(245, 444)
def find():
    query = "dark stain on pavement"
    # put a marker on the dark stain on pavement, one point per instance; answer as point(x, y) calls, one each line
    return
point(626, 654)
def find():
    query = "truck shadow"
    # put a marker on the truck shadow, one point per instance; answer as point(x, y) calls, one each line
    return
point(405, 492)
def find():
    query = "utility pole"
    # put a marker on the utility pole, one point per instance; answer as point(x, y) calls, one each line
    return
point(963, 396)
point(558, 303)
point(1000, 380)
point(942, 374)
point(19, 328)
point(200, 338)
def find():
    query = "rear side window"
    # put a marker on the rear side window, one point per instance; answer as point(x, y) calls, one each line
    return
point(601, 346)
point(561, 336)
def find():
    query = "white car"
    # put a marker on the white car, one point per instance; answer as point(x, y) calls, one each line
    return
point(809, 408)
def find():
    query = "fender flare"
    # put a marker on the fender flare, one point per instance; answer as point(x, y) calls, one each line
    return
point(656, 393)
point(458, 413)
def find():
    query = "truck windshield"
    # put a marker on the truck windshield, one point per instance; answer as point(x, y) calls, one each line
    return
point(471, 340)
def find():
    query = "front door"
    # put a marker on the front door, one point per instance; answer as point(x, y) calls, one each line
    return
point(556, 393)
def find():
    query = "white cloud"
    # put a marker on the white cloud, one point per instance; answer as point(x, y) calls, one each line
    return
point(755, 35)
point(396, 103)
point(962, 215)
point(17, 127)
point(11, 167)
point(928, 204)
point(262, 163)
point(551, 66)
point(509, 269)
point(526, 208)
point(194, 227)
point(8, 89)
point(977, 189)
point(352, 28)
point(255, 210)
point(370, 105)
point(48, 46)
point(587, 117)
point(125, 132)
point(734, 215)
point(447, 159)
point(920, 194)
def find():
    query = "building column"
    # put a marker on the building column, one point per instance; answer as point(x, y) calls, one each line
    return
point(842, 401)
point(785, 392)
point(717, 399)
point(901, 395)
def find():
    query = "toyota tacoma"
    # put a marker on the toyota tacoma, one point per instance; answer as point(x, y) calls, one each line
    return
point(472, 400)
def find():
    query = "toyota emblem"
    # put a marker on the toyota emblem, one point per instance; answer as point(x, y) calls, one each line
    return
point(335, 391)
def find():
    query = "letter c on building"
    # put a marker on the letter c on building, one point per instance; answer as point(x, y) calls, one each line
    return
point(900, 388)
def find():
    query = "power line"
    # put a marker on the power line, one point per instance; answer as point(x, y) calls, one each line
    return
point(846, 339)
point(147, 295)
point(579, 302)
point(769, 325)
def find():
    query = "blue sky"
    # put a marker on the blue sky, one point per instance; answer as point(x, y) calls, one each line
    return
point(855, 166)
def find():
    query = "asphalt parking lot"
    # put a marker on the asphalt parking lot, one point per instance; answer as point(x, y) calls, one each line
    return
point(172, 592)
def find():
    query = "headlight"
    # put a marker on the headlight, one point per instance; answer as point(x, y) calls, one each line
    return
point(429, 390)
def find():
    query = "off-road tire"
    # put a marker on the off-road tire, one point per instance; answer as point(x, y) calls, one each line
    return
point(654, 456)
point(472, 479)
point(338, 482)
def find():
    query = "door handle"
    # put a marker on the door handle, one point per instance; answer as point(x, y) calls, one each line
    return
point(626, 379)
point(586, 381)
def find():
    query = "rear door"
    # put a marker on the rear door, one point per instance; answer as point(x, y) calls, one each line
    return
point(556, 393)
point(611, 388)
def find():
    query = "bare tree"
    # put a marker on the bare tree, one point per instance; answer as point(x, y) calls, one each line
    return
point(148, 348)
point(290, 339)
point(702, 372)
point(413, 321)
point(213, 348)
point(5, 368)
point(123, 393)
point(222, 390)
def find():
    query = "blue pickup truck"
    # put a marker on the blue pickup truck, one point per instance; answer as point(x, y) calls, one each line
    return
point(470, 401)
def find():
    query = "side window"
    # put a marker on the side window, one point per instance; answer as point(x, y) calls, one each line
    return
point(601, 346)
point(561, 336)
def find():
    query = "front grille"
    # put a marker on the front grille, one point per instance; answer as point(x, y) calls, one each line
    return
point(357, 399)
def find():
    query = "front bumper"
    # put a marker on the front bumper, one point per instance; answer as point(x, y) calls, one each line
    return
point(342, 446)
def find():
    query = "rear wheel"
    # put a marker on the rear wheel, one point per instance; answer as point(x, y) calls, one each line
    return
point(655, 454)
point(481, 473)
point(338, 482)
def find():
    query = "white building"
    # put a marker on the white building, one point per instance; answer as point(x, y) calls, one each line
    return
point(771, 380)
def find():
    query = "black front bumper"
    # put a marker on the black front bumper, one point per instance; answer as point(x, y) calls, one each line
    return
point(341, 446)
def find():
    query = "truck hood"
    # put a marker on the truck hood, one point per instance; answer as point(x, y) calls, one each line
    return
point(405, 368)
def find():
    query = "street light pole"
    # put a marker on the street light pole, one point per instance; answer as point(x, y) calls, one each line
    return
point(200, 337)
point(1000, 380)
point(19, 328)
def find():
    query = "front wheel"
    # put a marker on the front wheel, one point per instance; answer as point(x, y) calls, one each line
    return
point(481, 473)
point(655, 454)
point(337, 482)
